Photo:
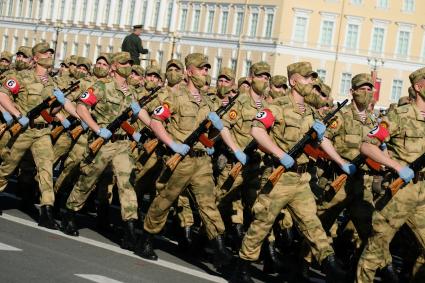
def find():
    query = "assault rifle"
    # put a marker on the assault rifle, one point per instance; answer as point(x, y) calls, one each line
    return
point(40, 109)
point(297, 149)
point(198, 134)
point(121, 121)
point(58, 130)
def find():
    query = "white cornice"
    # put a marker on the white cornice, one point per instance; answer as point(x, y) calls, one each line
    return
point(380, 22)
point(354, 19)
point(328, 15)
point(405, 25)
point(300, 11)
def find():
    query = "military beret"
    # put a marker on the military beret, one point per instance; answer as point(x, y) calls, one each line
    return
point(361, 79)
point(260, 68)
point(153, 69)
point(302, 68)
point(122, 58)
point(84, 61)
point(227, 73)
point(138, 70)
point(25, 50)
point(279, 81)
point(175, 62)
point(196, 59)
point(243, 80)
point(6, 55)
point(105, 56)
point(41, 47)
point(417, 75)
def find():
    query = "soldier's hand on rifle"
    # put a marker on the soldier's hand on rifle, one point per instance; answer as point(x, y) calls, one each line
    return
point(287, 161)
point(406, 173)
point(320, 129)
point(135, 107)
point(23, 120)
point(215, 120)
point(349, 168)
point(136, 136)
point(180, 148)
point(65, 123)
point(104, 133)
point(241, 156)
point(84, 125)
point(210, 150)
point(60, 97)
point(7, 118)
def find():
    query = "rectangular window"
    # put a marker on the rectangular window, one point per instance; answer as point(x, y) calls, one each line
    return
point(356, 2)
point(196, 15)
point(86, 51)
point(210, 21)
point(300, 29)
point(106, 12)
point(14, 43)
point(30, 5)
point(396, 90)
point(183, 20)
point(62, 13)
point(233, 64)
point(254, 22)
point(94, 12)
point(52, 8)
point(408, 5)
point(119, 12)
point(377, 40)
point(156, 14)
point(75, 48)
point(145, 8)
point(321, 74)
point(9, 12)
point(352, 36)
point(224, 17)
point(1, 7)
point(74, 10)
point(327, 31)
point(160, 57)
point(5, 42)
point(20, 7)
point(217, 67)
point(110, 49)
point(131, 14)
point(239, 22)
point(84, 10)
point(382, 4)
point(40, 9)
point(269, 26)
point(403, 43)
point(169, 14)
point(26, 41)
point(64, 49)
point(247, 67)
point(345, 84)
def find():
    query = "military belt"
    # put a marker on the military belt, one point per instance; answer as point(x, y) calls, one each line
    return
point(300, 169)
point(39, 126)
point(197, 153)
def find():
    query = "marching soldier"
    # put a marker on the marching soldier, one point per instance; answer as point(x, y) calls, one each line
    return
point(278, 86)
point(5, 61)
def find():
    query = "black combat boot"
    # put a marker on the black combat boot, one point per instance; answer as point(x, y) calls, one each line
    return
point(238, 234)
point(272, 263)
point(129, 239)
point(333, 270)
point(388, 274)
point(69, 225)
point(187, 237)
point(46, 218)
point(144, 247)
point(222, 256)
point(242, 274)
point(102, 218)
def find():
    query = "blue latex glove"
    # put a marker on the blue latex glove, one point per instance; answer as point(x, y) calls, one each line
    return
point(383, 146)
point(215, 120)
point(104, 133)
point(84, 125)
point(180, 148)
point(66, 124)
point(320, 129)
point(241, 156)
point(406, 174)
point(60, 97)
point(135, 107)
point(349, 168)
point(136, 136)
point(7, 118)
point(210, 150)
point(24, 121)
point(287, 161)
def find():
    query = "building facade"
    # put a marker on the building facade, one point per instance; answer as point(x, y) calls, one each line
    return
point(339, 37)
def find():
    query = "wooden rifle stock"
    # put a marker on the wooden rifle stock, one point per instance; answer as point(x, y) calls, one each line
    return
point(96, 145)
point(76, 132)
point(150, 145)
point(396, 185)
point(3, 128)
point(56, 132)
point(174, 161)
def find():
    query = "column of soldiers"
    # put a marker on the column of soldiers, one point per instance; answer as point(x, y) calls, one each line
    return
point(229, 154)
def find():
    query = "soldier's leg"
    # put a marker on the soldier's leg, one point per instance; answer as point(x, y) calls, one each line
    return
point(61, 147)
point(385, 224)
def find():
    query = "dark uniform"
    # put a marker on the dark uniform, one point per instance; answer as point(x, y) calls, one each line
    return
point(133, 45)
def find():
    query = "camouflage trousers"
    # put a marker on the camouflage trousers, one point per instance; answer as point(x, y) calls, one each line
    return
point(293, 192)
point(193, 172)
point(407, 206)
point(118, 155)
point(3, 142)
point(39, 142)
point(71, 167)
point(61, 146)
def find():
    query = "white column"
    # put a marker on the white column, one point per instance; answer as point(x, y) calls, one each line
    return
point(89, 12)
point(43, 9)
point(163, 6)
point(124, 13)
point(100, 11)
point(78, 10)
point(55, 14)
point(149, 11)
point(67, 14)
point(174, 21)
point(112, 13)
point(137, 13)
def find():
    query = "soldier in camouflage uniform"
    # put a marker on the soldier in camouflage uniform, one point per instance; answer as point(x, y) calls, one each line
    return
point(27, 90)
point(278, 86)
point(185, 109)
point(406, 142)
point(288, 119)
point(107, 100)
point(244, 85)
point(5, 61)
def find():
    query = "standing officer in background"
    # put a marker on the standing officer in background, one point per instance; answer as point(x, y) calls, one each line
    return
point(133, 44)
